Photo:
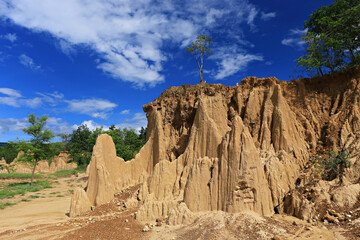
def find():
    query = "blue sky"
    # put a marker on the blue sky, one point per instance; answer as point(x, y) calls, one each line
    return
point(99, 61)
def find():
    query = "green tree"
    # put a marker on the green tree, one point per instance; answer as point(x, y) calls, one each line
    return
point(79, 145)
point(38, 148)
point(332, 38)
point(199, 49)
point(8, 152)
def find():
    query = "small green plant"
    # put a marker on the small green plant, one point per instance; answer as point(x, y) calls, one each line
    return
point(12, 189)
point(60, 195)
point(71, 191)
point(66, 173)
point(34, 196)
point(6, 204)
point(332, 165)
point(17, 175)
point(25, 200)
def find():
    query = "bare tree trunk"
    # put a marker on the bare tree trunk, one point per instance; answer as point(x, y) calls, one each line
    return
point(320, 71)
point(32, 174)
point(201, 76)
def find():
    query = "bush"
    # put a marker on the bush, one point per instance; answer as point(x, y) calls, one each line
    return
point(332, 165)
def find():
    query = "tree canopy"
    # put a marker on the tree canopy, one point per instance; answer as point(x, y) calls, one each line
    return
point(127, 142)
point(332, 37)
point(199, 49)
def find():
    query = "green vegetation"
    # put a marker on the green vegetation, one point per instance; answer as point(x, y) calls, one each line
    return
point(37, 148)
point(18, 175)
point(6, 204)
point(127, 143)
point(199, 49)
point(60, 195)
point(332, 38)
point(13, 189)
point(66, 173)
point(332, 165)
point(8, 151)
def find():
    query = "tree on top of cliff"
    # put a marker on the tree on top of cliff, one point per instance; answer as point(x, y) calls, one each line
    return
point(332, 38)
point(200, 48)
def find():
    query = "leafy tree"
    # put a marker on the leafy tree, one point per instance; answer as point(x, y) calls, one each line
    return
point(9, 152)
point(79, 146)
point(200, 48)
point(65, 138)
point(332, 38)
point(38, 148)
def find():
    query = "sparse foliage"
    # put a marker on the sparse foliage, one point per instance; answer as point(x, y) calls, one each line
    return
point(38, 148)
point(332, 165)
point(199, 49)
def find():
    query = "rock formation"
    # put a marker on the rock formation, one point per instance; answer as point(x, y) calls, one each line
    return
point(213, 147)
point(60, 162)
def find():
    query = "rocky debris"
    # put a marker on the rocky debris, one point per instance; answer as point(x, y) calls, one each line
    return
point(212, 147)
point(146, 229)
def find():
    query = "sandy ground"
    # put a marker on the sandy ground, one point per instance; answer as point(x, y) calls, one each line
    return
point(47, 218)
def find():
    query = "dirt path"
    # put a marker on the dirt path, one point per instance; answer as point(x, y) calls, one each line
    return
point(50, 207)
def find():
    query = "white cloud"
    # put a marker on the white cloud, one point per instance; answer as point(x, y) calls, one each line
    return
point(32, 103)
point(12, 37)
point(10, 101)
point(294, 40)
point(52, 98)
point(126, 111)
point(10, 92)
point(11, 124)
point(232, 60)
point(267, 16)
point(98, 108)
point(128, 36)
point(58, 126)
point(28, 62)
point(250, 20)
point(91, 124)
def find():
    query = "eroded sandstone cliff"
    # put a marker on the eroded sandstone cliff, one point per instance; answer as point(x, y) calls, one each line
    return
point(214, 147)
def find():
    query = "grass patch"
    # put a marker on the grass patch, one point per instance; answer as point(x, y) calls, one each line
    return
point(13, 189)
point(71, 191)
point(6, 204)
point(60, 195)
point(17, 175)
point(34, 196)
point(66, 173)
point(25, 200)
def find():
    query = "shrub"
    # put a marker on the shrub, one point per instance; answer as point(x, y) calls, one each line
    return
point(332, 164)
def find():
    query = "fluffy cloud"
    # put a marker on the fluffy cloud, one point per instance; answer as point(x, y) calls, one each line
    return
point(10, 92)
point(15, 99)
point(98, 108)
point(232, 60)
point(126, 111)
point(136, 122)
point(294, 40)
point(267, 16)
point(12, 37)
point(11, 124)
point(28, 62)
point(129, 36)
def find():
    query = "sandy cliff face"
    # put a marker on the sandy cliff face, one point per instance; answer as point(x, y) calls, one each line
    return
point(213, 147)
